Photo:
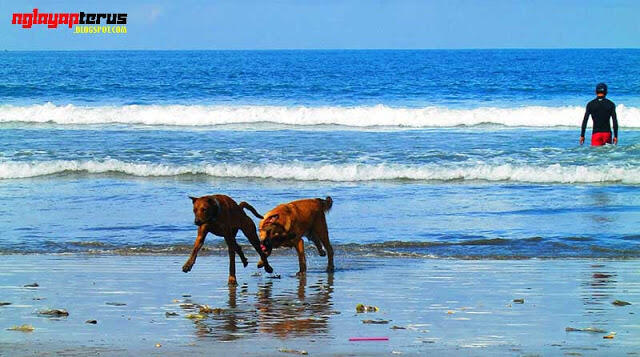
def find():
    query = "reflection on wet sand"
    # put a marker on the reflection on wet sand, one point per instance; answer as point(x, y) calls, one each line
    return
point(598, 288)
point(303, 311)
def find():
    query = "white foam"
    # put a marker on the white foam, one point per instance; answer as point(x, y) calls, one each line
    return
point(336, 172)
point(366, 116)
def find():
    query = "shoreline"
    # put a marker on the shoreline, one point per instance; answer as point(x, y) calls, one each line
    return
point(435, 306)
point(290, 252)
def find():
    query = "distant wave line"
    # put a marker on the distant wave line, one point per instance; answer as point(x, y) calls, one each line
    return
point(359, 116)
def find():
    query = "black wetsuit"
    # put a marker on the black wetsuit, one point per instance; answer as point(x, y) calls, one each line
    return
point(601, 109)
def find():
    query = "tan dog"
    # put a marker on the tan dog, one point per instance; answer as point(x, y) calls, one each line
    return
point(222, 216)
point(287, 223)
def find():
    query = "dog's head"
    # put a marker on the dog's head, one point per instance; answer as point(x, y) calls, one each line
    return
point(205, 209)
point(274, 230)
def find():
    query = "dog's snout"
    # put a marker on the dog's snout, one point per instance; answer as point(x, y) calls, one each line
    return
point(266, 246)
point(197, 222)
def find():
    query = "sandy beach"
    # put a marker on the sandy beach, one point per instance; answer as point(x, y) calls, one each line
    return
point(144, 305)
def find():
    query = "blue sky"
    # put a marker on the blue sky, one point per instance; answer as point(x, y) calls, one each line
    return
point(329, 24)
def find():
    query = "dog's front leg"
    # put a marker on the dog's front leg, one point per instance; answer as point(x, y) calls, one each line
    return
point(232, 264)
point(202, 233)
point(302, 260)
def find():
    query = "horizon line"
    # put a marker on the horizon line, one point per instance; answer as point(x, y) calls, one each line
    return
point(327, 49)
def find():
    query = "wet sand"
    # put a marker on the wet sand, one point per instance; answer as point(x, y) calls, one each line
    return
point(435, 307)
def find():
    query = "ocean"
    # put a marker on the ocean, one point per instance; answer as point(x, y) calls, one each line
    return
point(435, 153)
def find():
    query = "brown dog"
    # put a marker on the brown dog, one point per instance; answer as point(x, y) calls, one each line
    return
point(222, 216)
point(287, 223)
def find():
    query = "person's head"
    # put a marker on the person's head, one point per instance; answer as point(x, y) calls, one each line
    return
point(601, 89)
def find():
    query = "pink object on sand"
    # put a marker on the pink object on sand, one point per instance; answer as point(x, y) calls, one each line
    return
point(355, 339)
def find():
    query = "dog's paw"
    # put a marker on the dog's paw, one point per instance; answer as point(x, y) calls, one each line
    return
point(245, 262)
point(322, 253)
point(260, 264)
point(268, 268)
point(232, 281)
point(187, 268)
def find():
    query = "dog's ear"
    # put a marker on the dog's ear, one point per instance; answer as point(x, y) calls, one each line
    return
point(193, 199)
point(287, 223)
point(284, 221)
point(271, 219)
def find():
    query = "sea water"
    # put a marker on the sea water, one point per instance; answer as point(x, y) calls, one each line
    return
point(464, 154)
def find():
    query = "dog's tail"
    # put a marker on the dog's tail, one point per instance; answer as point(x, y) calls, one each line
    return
point(244, 205)
point(327, 203)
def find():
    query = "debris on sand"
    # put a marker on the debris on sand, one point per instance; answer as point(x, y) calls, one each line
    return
point(93, 322)
point(587, 329)
point(3, 303)
point(170, 314)
point(297, 352)
point(518, 301)
point(366, 308)
point(376, 322)
point(601, 276)
point(275, 276)
point(32, 285)
point(158, 345)
point(610, 336)
point(257, 274)
point(188, 306)
point(54, 312)
point(206, 309)
point(396, 327)
point(621, 303)
point(22, 328)
point(195, 316)
point(116, 303)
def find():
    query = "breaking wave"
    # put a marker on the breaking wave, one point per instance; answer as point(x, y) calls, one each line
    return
point(353, 172)
point(360, 117)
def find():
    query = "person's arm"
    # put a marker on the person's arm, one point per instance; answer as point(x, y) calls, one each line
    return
point(584, 124)
point(614, 117)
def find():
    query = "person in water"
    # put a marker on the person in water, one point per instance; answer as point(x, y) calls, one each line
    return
point(600, 109)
